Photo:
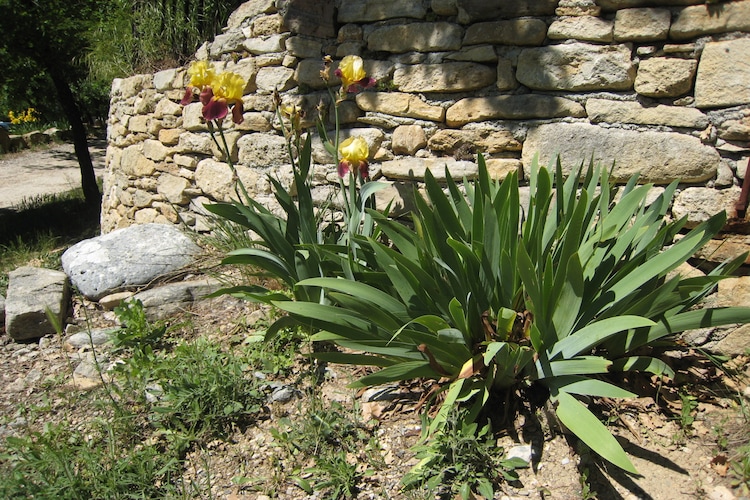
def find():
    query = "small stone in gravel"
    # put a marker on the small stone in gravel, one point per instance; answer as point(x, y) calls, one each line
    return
point(523, 452)
point(153, 392)
point(114, 300)
point(88, 368)
point(94, 337)
point(382, 393)
point(721, 493)
point(282, 395)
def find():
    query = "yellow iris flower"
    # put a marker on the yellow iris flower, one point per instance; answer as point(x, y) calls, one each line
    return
point(353, 154)
point(228, 86)
point(351, 70)
point(217, 92)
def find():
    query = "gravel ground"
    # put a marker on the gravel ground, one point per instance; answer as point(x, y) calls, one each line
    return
point(673, 466)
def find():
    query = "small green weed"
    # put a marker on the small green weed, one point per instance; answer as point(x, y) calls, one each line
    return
point(739, 462)
point(136, 332)
point(739, 468)
point(689, 404)
point(586, 492)
point(462, 460)
point(337, 441)
point(722, 440)
point(205, 391)
point(276, 355)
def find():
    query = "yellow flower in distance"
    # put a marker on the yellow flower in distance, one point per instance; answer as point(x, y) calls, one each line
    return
point(351, 70)
point(353, 153)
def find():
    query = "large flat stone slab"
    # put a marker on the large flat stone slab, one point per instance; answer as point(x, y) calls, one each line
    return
point(420, 37)
point(470, 11)
point(511, 107)
point(32, 292)
point(445, 77)
point(700, 20)
point(411, 168)
point(577, 67)
point(172, 298)
point(608, 111)
point(723, 74)
point(378, 10)
point(659, 157)
point(128, 257)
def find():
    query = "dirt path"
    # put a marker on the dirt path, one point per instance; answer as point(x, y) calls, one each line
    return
point(48, 170)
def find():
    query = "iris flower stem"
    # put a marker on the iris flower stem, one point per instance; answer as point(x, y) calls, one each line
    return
point(239, 186)
point(336, 141)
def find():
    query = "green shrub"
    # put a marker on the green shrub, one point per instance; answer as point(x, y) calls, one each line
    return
point(205, 391)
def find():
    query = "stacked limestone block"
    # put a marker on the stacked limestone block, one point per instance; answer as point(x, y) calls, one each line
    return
point(663, 90)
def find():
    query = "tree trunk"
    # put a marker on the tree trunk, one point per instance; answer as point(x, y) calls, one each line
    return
point(80, 143)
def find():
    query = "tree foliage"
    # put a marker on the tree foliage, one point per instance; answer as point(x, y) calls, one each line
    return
point(45, 41)
point(60, 56)
point(38, 37)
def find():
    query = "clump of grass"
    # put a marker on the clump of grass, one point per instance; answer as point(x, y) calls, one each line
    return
point(206, 392)
point(165, 399)
point(63, 215)
point(39, 230)
point(61, 462)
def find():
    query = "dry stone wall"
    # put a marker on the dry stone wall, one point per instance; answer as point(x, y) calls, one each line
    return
point(661, 87)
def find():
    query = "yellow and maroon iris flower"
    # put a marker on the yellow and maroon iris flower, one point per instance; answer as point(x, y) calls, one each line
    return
point(353, 154)
point(216, 92)
point(226, 89)
point(201, 75)
point(351, 70)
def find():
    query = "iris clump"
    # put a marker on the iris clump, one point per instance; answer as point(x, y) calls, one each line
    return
point(487, 297)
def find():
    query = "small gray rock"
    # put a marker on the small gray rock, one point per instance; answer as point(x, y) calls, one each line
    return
point(524, 452)
point(88, 368)
point(163, 301)
point(154, 392)
point(282, 394)
point(95, 337)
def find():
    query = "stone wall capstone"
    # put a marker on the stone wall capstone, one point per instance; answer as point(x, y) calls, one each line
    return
point(660, 87)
